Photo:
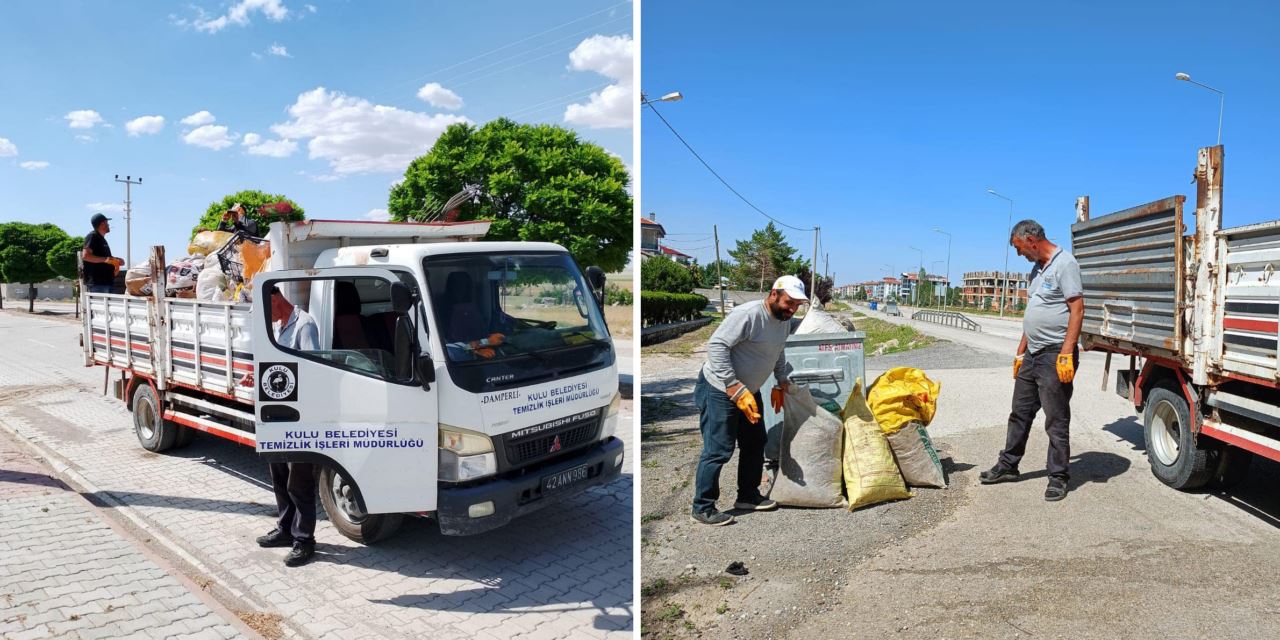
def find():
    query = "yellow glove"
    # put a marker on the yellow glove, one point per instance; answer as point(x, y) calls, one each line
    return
point(775, 399)
point(1066, 368)
point(746, 402)
point(1017, 364)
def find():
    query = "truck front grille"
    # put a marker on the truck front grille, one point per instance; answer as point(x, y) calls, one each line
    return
point(541, 447)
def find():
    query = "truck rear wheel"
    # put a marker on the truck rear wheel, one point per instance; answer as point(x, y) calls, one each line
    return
point(1171, 445)
point(338, 496)
point(154, 432)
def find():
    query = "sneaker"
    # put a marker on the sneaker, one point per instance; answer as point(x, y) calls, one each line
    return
point(712, 517)
point(996, 474)
point(1056, 491)
point(277, 538)
point(756, 504)
point(300, 555)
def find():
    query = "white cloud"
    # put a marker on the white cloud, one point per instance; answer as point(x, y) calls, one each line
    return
point(199, 118)
point(274, 148)
point(256, 55)
point(7, 148)
point(278, 50)
point(440, 97)
point(378, 215)
point(34, 165)
point(251, 139)
point(312, 8)
point(83, 119)
point(357, 136)
point(105, 207)
point(85, 138)
point(149, 125)
point(274, 10)
point(609, 56)
point(210, 137)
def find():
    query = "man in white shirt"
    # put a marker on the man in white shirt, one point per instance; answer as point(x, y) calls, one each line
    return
point(294, 483)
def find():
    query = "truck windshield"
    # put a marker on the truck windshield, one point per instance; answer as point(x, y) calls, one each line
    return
point(521, 313)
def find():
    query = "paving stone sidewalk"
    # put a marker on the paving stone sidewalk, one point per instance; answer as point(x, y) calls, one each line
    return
point(66, 573)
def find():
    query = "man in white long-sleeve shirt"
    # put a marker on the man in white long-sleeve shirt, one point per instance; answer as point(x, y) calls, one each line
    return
point(741, 354)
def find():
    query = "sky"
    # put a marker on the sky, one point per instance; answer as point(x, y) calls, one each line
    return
point(879, 121)
point(325, 102)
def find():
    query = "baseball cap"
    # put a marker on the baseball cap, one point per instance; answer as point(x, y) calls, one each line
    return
point(792, 286)
point(98, 219)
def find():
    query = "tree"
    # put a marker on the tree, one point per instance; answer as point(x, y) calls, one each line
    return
point(534, 182)
point(823, 285)
point(667, 276)
point(762, 258)
point(63, 259)
point(252, 200)
point(23, 258)
point(713, 270)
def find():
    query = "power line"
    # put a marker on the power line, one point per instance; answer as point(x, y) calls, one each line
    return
point(526, 52)
point(717, 175)
point(560, 51)
point(558, 100)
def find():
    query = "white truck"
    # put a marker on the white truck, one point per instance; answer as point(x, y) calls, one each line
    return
point(1199, 317)
point(408, 406)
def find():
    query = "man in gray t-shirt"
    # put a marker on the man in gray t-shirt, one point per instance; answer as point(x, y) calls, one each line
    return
point(1047, 358)
point(741, 354)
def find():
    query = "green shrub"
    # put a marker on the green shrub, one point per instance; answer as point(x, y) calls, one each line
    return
point(615, 295)
point(661, 274)
point(657, 307)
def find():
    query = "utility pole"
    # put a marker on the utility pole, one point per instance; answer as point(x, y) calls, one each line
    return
point(813, 272)
point(128, 218)
point(719, 276)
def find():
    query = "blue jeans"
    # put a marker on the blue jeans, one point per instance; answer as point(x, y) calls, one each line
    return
point(723, 424)
point(100, 288)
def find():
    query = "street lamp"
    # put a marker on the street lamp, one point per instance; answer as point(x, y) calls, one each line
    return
point(1004, 277)
point(915, 289)
point(674, 96)
point(1222, 98)
point(947, 291)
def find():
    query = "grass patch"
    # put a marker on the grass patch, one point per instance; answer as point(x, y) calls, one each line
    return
point(724, 606)
point(671, 611)
point(651, 463)
point(650, 517)
point(685, 344)
point(726, 583)
point(879, 332)
point(655, 588)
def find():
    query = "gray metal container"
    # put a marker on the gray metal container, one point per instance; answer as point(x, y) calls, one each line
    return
point(828, 364)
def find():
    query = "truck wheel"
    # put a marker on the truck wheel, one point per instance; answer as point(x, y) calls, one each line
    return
point(1232, 468)
point(153, 431)
point(1175, 458)
point(338, 496)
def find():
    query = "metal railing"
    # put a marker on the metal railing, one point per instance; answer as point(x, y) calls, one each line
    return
point(948, 319)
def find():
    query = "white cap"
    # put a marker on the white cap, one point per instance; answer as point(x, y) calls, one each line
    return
point(792, 286)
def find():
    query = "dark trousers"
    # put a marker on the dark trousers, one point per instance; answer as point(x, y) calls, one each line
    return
point(723, 424)
point(1038, 387)
point(295, 487)
point(100, 288)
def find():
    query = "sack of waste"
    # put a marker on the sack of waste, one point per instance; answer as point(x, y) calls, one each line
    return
point(182, 275)
point(137, 280)
point(917, 459)
point(208, 242)
point(211, 284)
point(901, 396)
point(819, 321)
point(870, 473)
point(809, 466)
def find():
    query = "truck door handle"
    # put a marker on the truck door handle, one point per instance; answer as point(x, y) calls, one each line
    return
point(279, 413)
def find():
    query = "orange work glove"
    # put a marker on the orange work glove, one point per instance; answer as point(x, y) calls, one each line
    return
point(746, 402)
point(1066, 368)
point(485, 352)
point(775, 399)
point(495, 339)
point(1017, 364)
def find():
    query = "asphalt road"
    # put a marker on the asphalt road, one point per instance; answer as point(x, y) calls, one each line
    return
point(1122, 556)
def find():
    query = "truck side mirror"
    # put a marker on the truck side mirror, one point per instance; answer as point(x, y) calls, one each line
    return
point(595, 277)
point(426, 370)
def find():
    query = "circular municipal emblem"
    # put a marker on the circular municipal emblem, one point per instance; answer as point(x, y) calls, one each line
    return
point(278, 382)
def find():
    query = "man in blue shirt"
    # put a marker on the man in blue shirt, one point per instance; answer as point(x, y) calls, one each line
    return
point(1047, 359)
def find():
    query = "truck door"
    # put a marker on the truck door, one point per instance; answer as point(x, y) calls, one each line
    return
point(341, 392)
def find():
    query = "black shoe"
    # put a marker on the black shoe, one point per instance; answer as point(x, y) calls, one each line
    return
point(300, 555)
point(760, 503)
point(996, 474)
point(276, 538)
point(1056, 491)
point(712, 517)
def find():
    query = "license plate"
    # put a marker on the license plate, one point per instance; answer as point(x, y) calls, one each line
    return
point(565, 478)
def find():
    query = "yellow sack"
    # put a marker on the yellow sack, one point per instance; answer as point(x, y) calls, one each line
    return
point(870, 473)
point(902, 396)
point(206, 242)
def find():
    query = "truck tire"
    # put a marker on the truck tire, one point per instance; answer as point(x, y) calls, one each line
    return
point(1175, 457)
point(1232, 468)
point(154, 432)
point(339, 500)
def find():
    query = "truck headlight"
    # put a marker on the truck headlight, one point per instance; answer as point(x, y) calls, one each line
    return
point(611, 417)
point(465, 455)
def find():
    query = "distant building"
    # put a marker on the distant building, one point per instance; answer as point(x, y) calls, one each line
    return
point(683, 258)
point(651, 235)
point(982, 289)
point(910, 281)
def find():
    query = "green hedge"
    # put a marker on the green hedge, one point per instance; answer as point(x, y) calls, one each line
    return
point(660, 308)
